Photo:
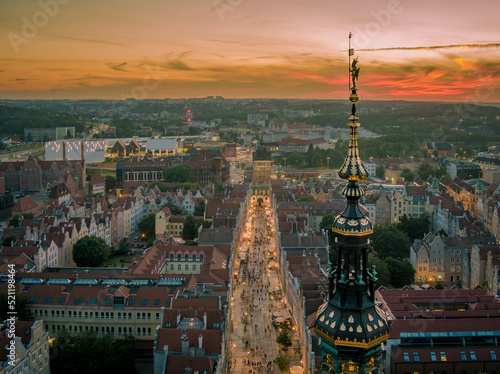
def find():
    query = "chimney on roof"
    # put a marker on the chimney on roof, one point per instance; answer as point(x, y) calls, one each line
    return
point(184, 344)
point(178, 317)
point(200, 341)
point(204, 321)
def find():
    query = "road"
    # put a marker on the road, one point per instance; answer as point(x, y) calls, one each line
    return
point(254, 300)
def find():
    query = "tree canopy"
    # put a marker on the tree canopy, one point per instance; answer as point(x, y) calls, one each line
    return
point(401, 273)
point(284, 339)
point(147, 226)
point(426, 170)
point(189, 229)
point(90, 251)
point(380, 172)
point(88, 353)
point(9, 239)
point(407, 175)
point(14, 220)
point(415, 228)
point(110, 182)
point(199, 209)
point(306, 198)
point(180, 174)
point(389, 241)
point(205, 223)
point(383, 275)
point(327, 222)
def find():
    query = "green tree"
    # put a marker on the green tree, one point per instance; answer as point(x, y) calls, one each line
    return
point(147, 226)
point(161, 186)
point(14, 221)
point(402, 272)
point(390, 242)
point(327, 222)
point(284, 339)
point(415, 227)
point(282, 363)
point(110, 182)
point(306, 198)
point(9, 239)
point(199, 209)
point(90, 251)
point(205, 223)
point(180, 174)
point(407, 175)
point(21, 308)
point(90, 173)
point(174, 209)
point(380, 172)
point(189, 229)
point(383, 275)
point(194, 131)
point(425, 171)
point(88, 353)
point(316, 161)
point(123, 246)
point(442, 232)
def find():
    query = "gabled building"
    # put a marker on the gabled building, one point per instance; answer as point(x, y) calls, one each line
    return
point(31, 346)
point(97, 184)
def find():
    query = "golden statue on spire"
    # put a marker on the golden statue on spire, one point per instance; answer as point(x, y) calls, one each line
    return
point(353, 69)
point(354, 73)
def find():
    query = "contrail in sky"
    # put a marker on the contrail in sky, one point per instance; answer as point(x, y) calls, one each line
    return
point(488, 45)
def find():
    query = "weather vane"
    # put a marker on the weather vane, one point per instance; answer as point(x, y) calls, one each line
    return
point(353, 69)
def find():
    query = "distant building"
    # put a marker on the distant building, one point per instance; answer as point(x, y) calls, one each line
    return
point(257, 119)
point(370, 167)
point(210, 166)
point(440, 149)
point(145, 171)
point(90, 151)
point(462, 169)
point(35, 174)
point(295, 145)
point(97, 184)
point(40, 134)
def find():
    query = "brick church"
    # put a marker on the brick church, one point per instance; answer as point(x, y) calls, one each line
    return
point(36, 174)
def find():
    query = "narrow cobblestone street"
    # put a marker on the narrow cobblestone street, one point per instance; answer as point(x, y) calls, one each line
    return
point(255, 297)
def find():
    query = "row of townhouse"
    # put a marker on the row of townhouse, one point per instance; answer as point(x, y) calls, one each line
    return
point(65, 224)
point(447, 202)
point(488, 207)
point(468, 262)
point(388, 207)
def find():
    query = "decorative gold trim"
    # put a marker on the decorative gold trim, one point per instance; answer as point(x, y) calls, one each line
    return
point(352, 232)
point(349, 343)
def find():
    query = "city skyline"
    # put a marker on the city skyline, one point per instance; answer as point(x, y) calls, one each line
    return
point(54, 49)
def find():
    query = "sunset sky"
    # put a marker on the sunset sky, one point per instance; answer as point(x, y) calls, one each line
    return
point(113, 49)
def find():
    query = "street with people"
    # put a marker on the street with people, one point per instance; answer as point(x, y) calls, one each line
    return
point(253, 337)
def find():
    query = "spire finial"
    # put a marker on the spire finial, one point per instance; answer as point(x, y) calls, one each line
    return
point(353, 169)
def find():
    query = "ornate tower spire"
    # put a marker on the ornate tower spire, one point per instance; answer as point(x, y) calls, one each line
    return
point(350, 326)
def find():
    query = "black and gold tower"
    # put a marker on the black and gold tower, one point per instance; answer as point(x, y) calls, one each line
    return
point(350, 327)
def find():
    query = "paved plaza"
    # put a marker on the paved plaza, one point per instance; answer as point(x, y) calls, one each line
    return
point(253, 335)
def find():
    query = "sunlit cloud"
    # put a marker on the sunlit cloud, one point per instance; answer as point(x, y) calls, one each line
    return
point(257, 49)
